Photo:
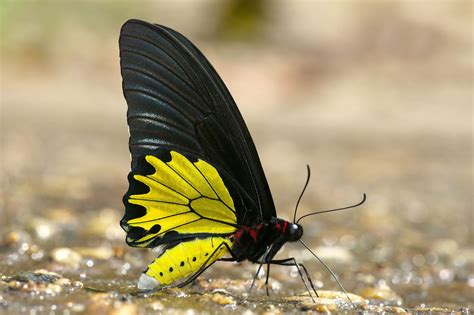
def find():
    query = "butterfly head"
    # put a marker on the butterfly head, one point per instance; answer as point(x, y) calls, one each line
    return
point(294, 232)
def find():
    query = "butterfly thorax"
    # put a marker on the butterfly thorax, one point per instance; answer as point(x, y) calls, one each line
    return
point(262, 241)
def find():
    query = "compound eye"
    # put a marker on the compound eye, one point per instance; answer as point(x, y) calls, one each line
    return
point(296, 231)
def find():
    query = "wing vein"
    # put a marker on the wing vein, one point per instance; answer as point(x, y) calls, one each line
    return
point(166, 84)
point(184, 133)
point(161, 49)
point(218, 197)
point(177, 226)
point(149, 176)
point(164, 65)
point(187, 181)
point(162, 101)
point(160, 120)
point(158, 201)
point(166, 217)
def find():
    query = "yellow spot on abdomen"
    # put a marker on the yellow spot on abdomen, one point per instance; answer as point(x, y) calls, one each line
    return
point(187, 258)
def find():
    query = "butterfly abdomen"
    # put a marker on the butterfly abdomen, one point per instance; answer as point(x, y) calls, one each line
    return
point(183, 260)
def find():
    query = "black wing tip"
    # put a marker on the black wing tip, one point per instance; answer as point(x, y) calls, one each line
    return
point(133, 23)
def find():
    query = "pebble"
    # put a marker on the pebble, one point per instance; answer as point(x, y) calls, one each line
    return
point(41, 281)
point(119, 251)
point(63, 216)
point(37, 276)
point(222, 299)
point(43, 228)
point(124, 309)
point(14, 238)
point(102, 253)
point(381, 294)
point(234, 286)
point(337, 254)
point(66, 256)
point(328, 301)
point(272, 310)
point(445, 246)
point(431, 310)
point(105, 225)
point(380, 309)
point(99, 303)
point(156, 306)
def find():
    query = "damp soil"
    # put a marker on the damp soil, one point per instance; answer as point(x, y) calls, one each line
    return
point(62, 250)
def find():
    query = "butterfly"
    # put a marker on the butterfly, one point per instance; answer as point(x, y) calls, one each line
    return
point(197, 191)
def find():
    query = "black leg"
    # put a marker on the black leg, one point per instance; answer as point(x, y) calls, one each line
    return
point(258, 271)
point(253, 280)
point(306, 273)
point(292, 262)
point(266, 279)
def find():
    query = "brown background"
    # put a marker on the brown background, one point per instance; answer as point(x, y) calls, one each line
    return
point(375, 96)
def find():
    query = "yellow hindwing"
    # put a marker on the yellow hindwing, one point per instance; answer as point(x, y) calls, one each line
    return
point(183, 196)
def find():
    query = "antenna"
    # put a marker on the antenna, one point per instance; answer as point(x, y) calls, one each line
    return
point(302, 192)
point(364, 198)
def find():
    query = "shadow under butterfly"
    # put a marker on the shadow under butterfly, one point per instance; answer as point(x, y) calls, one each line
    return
point(197, 191)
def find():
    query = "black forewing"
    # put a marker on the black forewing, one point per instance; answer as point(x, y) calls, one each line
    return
point(177, 101)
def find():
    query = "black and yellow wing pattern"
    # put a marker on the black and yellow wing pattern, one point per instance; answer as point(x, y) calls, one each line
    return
point(183, 197)
point(196, 175)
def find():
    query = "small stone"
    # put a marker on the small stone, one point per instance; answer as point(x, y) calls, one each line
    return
point(119, 251)
point(328, 301)
point(43, 228)
point(380, 309)
point(100, 297)
point(124, 309)
point(395, 309)
point(37, 276)
point(445, 246)
point(233, 286)
point(335, 253)
point(66, 256)
point(14, 239)
point(105, 225)
point(272, 310)
point(11, 239)
point(324, 308)
point(99, 303)
point(381, 294)
point(222, 299)
point(77, 285)
point(156, 306)
point(431, 310)
point(16, 285)
point(62, 216)
point(63, 282)
point(39, 281)
point(102, 253)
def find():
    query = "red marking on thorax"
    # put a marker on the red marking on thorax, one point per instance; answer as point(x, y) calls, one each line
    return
point(253, 232)
point(238, 234)
point(280, 229)
point(285, 226)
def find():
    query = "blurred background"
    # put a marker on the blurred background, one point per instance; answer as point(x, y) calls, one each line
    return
point(375, 96)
